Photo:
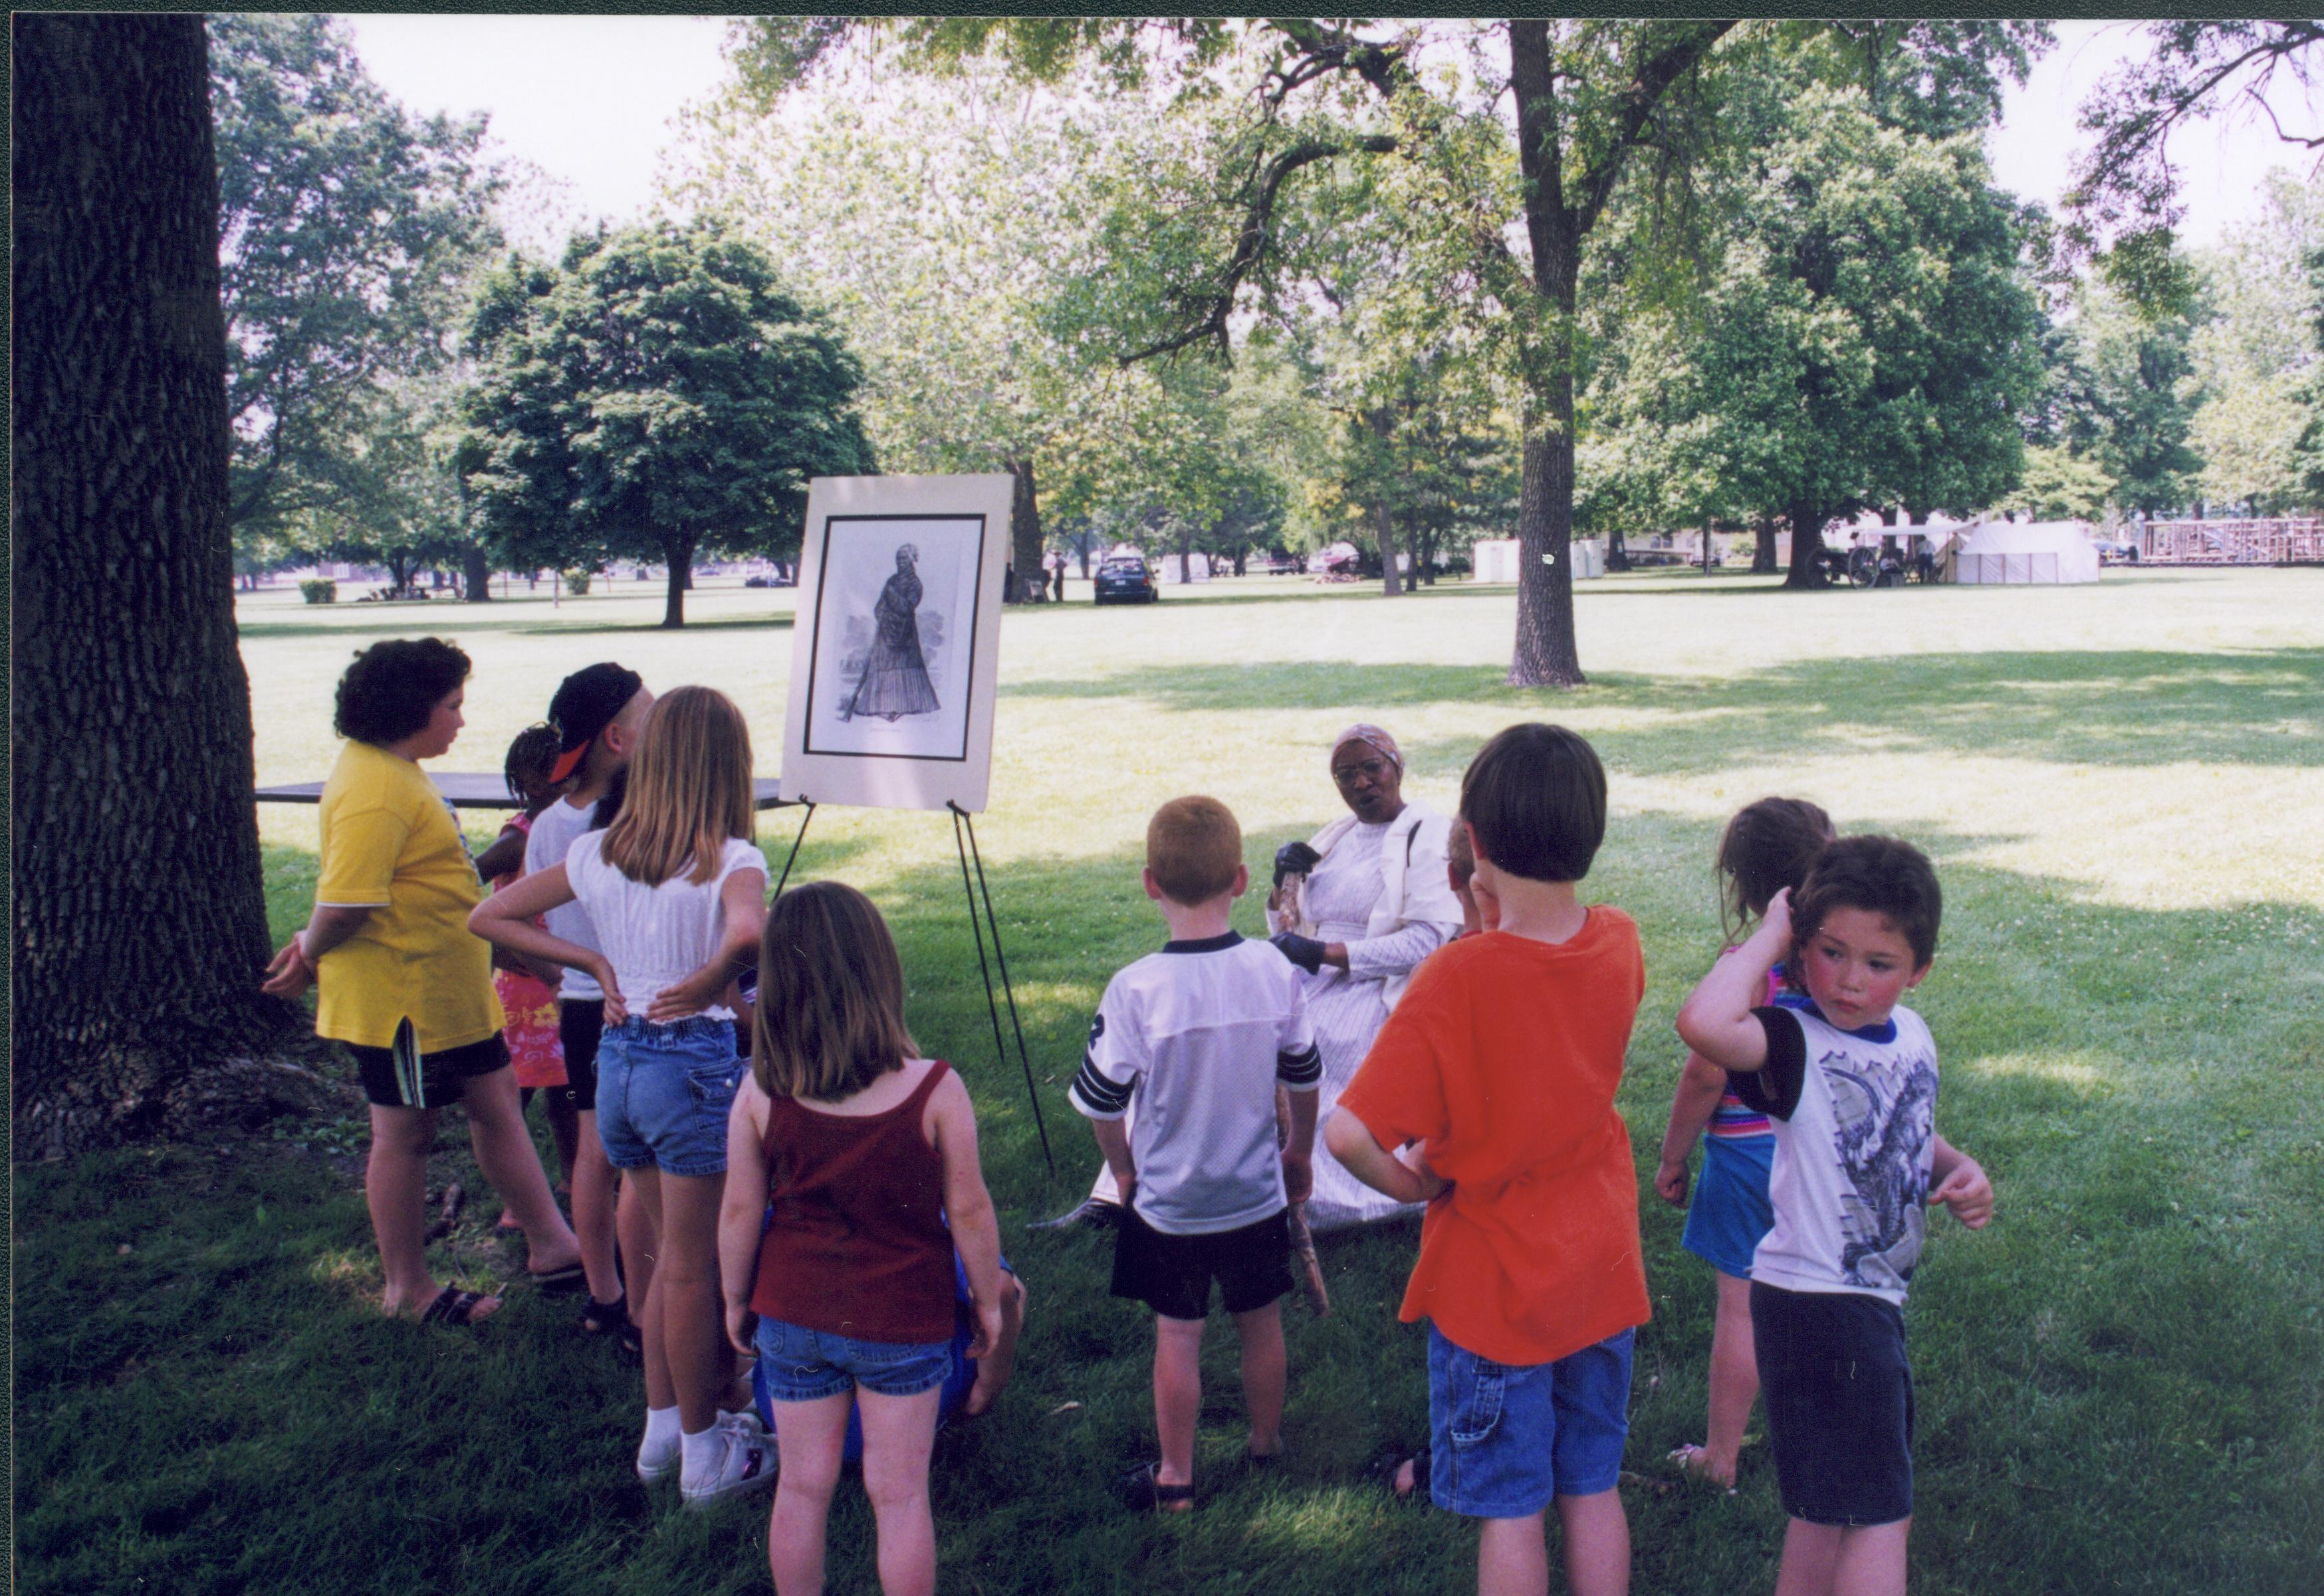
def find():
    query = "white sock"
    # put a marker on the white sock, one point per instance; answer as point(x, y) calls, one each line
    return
point(703, 1451)
point(662, 1429)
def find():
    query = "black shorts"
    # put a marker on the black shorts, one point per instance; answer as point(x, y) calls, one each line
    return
point(1840, 1404)
point(580, 1021)
point(1172, 1275)
point(399, 1076)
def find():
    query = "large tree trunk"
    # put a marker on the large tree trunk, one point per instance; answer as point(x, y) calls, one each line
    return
point(678, 554)
point(1807, 540)
point(1391, 581)
point(476, 573)
point(1546, 654)
point(139, 914)
point(1763, 551)
point(1025, 538)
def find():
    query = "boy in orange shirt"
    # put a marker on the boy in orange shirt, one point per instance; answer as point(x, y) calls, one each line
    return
point(1502, 1062)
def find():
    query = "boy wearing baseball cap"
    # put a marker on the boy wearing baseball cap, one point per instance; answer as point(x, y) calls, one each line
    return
point(597, 712)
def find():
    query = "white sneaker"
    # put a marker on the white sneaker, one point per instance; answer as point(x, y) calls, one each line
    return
point(656, 1464)
point(746, 1464)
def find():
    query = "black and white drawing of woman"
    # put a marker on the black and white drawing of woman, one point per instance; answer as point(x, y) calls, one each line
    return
point(895, 681)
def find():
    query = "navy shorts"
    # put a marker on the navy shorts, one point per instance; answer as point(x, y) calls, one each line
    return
point(1729, 1213)
point(1506, 1439)
point(1840, 1404)
point(401, 1076)
point(580, 1023)
point(1172, 1275)
point(797, 1364)
point(664, 1092)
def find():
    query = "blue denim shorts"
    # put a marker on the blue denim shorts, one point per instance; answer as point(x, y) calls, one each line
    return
point(663, 1093)
point(797, 1364)
point(1508, 1438)
point(1731, 1212)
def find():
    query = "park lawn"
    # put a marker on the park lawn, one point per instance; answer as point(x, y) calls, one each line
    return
point(2118, 1383)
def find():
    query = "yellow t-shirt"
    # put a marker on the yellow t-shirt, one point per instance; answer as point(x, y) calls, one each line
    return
point(390, 843)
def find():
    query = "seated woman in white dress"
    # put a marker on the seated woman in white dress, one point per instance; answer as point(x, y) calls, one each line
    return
point(1356, 906)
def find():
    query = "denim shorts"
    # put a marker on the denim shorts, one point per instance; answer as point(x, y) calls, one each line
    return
point(797, 1364)
point(663, 1093)
point(1839, 1390)
point(1730, 1213)
point(1506, 1439)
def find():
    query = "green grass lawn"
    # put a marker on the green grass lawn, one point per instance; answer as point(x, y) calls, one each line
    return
point(2118, 1383)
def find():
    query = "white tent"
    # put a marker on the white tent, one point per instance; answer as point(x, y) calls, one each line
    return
point(1495, 559)
point(2041, 552)
point(1197, 568)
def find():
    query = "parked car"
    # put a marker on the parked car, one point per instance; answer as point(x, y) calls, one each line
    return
point(758, 581)
point(1125, 580)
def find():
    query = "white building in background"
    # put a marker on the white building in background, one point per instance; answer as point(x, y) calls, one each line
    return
point(1495, 559)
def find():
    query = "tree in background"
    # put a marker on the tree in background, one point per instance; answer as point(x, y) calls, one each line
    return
point(2059, 486)
point(2128, 398)
point(2255, 358)
point(139, 918)
point(657, 396)
point(348, 232)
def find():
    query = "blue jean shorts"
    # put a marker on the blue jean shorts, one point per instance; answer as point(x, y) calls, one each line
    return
point(797, 1364)
point(1506, 1439)
point(663, 1093)
point(1731, 1212)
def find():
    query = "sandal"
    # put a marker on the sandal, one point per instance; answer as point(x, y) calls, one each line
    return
point(605, 1318)
point(1389, 1464)
point(455, 1307)
point(562, 1282)
point(1141, 1492)
point(1690, 1461)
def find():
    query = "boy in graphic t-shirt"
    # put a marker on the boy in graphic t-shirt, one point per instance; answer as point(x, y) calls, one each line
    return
point(1200, 1033)
point(1502, 1062)
point(1850, 1081)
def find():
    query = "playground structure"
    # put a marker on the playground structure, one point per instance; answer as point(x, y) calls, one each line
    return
point(2288, 541)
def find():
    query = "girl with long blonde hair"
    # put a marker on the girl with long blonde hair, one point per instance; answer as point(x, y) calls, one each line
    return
point(676, 890)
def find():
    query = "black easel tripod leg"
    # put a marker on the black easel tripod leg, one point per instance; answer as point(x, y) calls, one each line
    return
point(1008, 991)
point(793, 859)
point(991, 1004)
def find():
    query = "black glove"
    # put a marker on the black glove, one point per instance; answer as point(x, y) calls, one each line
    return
point(1302, 951)
point(1295, 859)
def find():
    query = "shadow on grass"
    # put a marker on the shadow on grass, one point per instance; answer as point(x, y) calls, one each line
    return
point(2117, 1383)
point(2127, 707)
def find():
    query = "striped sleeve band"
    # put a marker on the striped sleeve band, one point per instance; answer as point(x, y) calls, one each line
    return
point(1099, 1098)
point(1300, 1069)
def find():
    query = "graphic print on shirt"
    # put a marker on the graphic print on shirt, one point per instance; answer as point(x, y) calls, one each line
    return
point(1881, 1119)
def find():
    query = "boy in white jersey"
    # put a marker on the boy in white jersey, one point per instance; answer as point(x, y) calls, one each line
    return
point(1849, 1081)
point(1199, 1035)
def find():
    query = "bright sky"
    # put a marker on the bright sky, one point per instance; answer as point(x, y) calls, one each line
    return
point(590, 100)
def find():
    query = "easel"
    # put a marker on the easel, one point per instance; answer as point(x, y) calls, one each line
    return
point(982, 920)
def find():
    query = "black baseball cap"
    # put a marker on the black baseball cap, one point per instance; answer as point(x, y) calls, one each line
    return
point(585, 703)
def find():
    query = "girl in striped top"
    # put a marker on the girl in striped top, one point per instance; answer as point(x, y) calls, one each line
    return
point(1767, 846)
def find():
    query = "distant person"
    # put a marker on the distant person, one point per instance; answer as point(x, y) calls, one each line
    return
point(1849, 1080)
point(675, 890)
point(1199, 1035)
point(404, 982)
point(528, 993)
point(1768, 847)
point(866, 1153)
point(1503, 1062)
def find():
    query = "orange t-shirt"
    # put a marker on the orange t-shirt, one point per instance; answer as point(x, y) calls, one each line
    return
point(1503, 1060)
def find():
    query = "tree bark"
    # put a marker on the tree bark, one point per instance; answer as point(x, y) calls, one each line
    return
point(476, 573)
point(1545, 653)
point(1025, 538)
point(678, 554)
point(139, 914)
point(1391, 581)
point(1763, 552)
point(1807, 540)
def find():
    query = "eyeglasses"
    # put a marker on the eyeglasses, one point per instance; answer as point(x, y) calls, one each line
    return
point(1370, 770)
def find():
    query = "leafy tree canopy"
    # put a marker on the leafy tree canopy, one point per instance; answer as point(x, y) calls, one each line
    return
point(658, 395)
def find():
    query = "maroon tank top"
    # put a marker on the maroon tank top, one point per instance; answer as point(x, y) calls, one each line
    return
point(857, 1245)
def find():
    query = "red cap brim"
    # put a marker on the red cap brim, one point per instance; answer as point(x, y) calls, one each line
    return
point(569, 761)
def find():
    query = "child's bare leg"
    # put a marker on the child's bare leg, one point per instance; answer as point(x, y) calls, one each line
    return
point(1734, 1379)
point(505, 1153)
point(1810, 1557)
point(899, 1432)
point(686, 1283)
point(564, 1132)
point(641, 1224)
point(993, 1370)
point(1264, 1371)
point(1872, 1560)
point(1177, 1395)
point(808, 1439)
point(1512, 1557)
point(594, 1222)
point(1597, 1533)
point(396, 1188)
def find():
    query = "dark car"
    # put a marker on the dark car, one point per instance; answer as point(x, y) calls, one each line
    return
point(1126, 580)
